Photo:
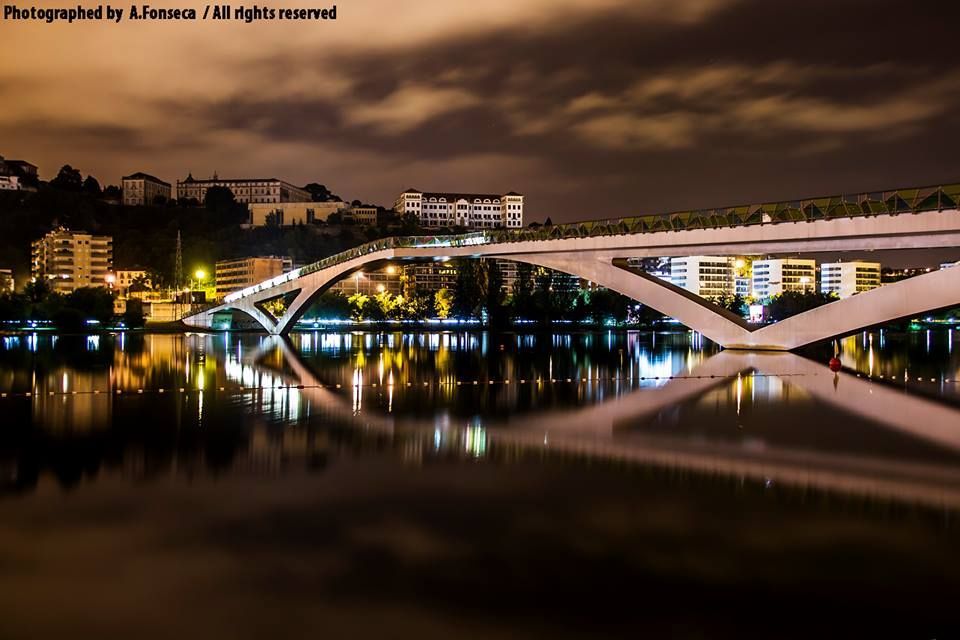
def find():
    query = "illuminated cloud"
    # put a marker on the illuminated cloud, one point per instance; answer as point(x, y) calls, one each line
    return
point(409, 107)
point(630, 100)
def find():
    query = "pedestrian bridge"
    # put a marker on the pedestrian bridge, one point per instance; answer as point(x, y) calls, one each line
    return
point(919, 218)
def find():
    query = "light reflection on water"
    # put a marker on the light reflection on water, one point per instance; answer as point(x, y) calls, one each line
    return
point(620, 395)
point(408, 471)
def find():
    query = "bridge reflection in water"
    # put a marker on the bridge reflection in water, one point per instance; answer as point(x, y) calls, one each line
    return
point(607, 430)
point(261, 405)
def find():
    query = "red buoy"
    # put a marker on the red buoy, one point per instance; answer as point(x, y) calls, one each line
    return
point(835, 364)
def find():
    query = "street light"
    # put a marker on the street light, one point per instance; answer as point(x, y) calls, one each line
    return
point(200, 274)
point(359, 275)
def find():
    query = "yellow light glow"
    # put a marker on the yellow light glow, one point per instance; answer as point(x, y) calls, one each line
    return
point(110, 278)
point(391, 269)
point(200, 274)
point(740, 263)
point(380, 288)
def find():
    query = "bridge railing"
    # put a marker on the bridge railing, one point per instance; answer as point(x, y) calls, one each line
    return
point(909, 200)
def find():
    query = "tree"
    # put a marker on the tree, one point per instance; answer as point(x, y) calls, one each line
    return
point(409, 224)
point(94, 303)
point(357, 303)
point(159, 200)
point(736, 303)
point(140, 284)
point(468, 295)
point(548, 222)
point(443, 303)
point(646, 316)
point(388, 306)
point(320, 193)
point(68, 179)
point(522, 295)
point(219, 199)
point(91, 186)
point(133, 317)
point(13, 306)
point(37, 291)
point(332, 305)
point(494, 296)
point(603, 305)
point(112, 192)
point(790, 303)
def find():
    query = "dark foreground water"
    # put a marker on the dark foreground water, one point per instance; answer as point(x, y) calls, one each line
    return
point(476, 485)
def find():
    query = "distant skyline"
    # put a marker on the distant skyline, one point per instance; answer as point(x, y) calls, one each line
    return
point(591, 108)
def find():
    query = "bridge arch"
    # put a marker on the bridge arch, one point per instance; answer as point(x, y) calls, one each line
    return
point(593, 250)
point(909, 298)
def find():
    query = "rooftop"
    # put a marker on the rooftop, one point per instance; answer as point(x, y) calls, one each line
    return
point(217, 179)
point(139, 175)
point(451, 195)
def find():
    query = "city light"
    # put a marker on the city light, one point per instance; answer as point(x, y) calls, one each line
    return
point(200, 274)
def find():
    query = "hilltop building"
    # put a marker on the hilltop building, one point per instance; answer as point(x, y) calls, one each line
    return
point(471, 210)
point(285, 214)
point(141, 189)
point(245, 190)
point(16, 175)
point(9, 183)
point(361, 214)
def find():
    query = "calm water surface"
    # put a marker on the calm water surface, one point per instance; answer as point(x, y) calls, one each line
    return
point(477, 485)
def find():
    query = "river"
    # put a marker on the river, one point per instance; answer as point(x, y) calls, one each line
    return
point(476, 484)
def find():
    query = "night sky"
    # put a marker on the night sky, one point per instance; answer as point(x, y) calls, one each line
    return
point(592, 108)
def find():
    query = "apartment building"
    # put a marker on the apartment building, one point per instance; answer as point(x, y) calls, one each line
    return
point(849, 278)
point(6, 281)
point(141, 189)
point(69, 260)
point(706, 276)
point(370, 283)
point(234, 275)
point(471, 210)
point(775, 276)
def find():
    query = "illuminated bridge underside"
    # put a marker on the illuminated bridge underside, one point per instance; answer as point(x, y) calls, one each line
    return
point(599, 259)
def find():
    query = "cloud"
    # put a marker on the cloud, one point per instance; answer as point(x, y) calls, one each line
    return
point(629, 98)
point(409, 107)
point(818, 115)
point(626, 131)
